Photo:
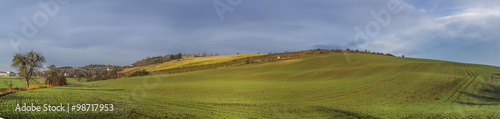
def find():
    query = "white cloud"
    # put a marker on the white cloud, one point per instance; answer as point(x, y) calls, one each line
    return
point(477, 16)
point(456, 37)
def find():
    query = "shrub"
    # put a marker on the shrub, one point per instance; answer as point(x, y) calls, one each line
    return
point(79, 79)
point(9, 85)
point(139, 73)
point(57, 80)
point(39, 86)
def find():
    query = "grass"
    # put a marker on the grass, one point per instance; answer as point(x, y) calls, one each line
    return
point(17, 82)
point(368, 86)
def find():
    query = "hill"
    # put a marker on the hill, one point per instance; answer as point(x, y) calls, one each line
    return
point(328, 86)
point(180, 63)
point(187, 62)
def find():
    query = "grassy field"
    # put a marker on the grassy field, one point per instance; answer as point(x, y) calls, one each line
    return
point(366, 86)
point(17, 82)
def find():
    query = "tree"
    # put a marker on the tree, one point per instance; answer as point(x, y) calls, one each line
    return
point(176, 57)
point(113, 74)
point(52, 77)
point(172, 57)
point(55, 78)
point(28, 64)
point(179, 56)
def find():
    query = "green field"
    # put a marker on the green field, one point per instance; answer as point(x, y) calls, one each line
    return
point(17, 82)
point(331, 86)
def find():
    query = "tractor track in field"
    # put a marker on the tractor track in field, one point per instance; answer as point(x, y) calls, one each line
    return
point(470, 80)
point(415, 67)
point(459, 94)
point(366, 87)
point(456, 90)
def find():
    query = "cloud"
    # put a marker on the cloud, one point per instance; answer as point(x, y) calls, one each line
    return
point(476, 15)
point(120, 33)
point(471, 24)
point(467, 35)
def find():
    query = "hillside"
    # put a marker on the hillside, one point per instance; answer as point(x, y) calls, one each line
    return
point(328, 86)
point(187, 62)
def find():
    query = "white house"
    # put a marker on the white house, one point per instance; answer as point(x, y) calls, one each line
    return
point(8, 73)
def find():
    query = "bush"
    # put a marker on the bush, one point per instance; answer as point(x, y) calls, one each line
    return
point(139, 73)
point(79, 79)
point(9, 85)
point(57, 80)
point(39, 86)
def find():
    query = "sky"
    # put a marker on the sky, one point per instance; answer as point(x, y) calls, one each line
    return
point(121, 32)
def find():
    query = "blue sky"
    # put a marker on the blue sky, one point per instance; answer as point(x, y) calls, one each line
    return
point(120, 32)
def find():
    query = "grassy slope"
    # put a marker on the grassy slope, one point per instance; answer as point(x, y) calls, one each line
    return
point(189, 62)
point(369, 86)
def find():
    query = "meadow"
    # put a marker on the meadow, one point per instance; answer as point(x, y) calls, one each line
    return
point(16, 82)
point(330, 86)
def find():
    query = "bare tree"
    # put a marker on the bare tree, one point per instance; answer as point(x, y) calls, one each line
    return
point(53, 72)
point(28, 64)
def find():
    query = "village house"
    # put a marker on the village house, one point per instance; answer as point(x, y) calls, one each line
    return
point(8, 73)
